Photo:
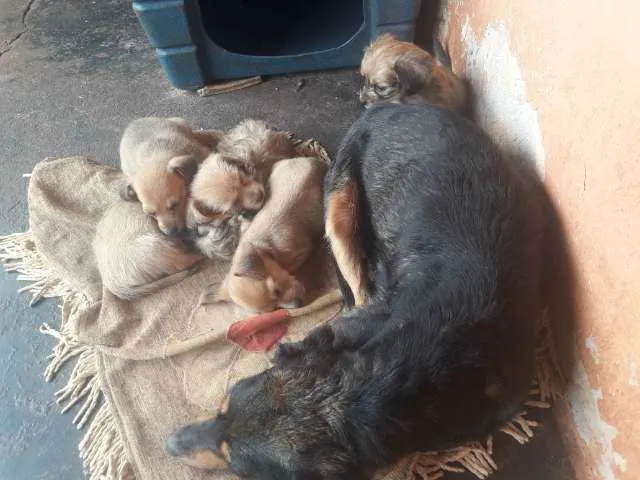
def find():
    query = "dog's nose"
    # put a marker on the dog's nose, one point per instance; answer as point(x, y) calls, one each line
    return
point(260, 196)
point(296, 303)
point(173, 231)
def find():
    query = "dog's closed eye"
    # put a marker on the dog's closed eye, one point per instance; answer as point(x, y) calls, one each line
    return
point(173, 205)
point(382, 90)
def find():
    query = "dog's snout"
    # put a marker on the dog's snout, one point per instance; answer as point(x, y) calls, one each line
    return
point(296, 302)
point(363, 95)
point(173, 230)
point(259, 196)
point(192, 437)
point(175, 445)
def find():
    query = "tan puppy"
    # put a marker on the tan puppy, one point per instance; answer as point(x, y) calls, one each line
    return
point(278, 241)
point(233, 180)
point(160, 156)
point(134, 258)
point(401, 72)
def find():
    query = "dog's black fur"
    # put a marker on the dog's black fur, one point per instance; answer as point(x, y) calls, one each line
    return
point(442, 351)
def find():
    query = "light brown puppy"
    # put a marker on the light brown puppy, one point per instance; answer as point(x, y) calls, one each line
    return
point(134, 258)
point(401, 72)
point(159, 157)
point(278, 241)
point(232, 180)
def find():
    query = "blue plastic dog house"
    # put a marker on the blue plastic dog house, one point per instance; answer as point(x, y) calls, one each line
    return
point(200, 42)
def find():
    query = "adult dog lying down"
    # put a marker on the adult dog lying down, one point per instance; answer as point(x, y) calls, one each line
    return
point(439, 239)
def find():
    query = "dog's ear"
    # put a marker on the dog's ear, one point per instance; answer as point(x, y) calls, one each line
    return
point(251, 266)
point(185, 166)
point(128, 193)
point(203, 209)
point(222, 295)
point(412, 73)
point(273, 286)
point(209, 296)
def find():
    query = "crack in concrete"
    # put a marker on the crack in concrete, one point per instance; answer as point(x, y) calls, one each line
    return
point(25, 29)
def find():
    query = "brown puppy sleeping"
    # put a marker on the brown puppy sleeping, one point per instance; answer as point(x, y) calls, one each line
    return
point(278, 241)
point(134, 258)
point(160, 156)
point(401, 72)
point(232, 180)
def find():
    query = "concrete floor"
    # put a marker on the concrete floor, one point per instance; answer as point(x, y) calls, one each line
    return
point(72, 74)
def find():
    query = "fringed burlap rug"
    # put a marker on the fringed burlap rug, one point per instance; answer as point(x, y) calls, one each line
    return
point(146, 367)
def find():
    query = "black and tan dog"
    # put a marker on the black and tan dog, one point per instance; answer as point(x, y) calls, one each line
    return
point(440, 240)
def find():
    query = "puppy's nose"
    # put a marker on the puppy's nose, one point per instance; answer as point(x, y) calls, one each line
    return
point(172, 230)
point(296, 303)
point(260, 196)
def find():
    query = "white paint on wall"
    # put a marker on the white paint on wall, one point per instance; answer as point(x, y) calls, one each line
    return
point(593, 349)
point(500, 94)
point(583, 401)
point(633, 373)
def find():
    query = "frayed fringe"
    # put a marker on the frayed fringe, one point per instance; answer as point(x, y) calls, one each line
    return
point(101, 449)
point(476, 457)
point(18, 254)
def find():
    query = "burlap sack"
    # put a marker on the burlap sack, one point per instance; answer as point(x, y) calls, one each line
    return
point(163, 360)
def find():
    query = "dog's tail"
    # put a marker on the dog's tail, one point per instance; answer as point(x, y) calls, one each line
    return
point(132, 292)
point(441, 54)
point(149, 263)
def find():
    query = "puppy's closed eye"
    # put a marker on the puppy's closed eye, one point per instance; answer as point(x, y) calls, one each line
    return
point(382, 90)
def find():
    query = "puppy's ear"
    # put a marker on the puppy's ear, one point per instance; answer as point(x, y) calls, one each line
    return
point(185, 166)
point(222, 295)
point(251, 266)
point(272, 286)
point(412, 73)
point(128, 193)
point(209, 297)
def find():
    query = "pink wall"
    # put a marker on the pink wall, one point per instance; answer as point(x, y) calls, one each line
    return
point(561, 80)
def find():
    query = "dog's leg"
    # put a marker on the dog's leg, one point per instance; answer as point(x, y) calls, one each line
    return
point(342, 228)
point(345, 290)
point(318, 341)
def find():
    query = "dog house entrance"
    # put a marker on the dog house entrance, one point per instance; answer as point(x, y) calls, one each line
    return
point(281, 27)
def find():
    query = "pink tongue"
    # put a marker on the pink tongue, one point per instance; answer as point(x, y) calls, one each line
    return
point(260, 332)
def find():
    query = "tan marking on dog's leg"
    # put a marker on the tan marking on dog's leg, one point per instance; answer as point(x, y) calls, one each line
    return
point(205, 459)
point(224, 406)
point(225, 451)
point(344, 237)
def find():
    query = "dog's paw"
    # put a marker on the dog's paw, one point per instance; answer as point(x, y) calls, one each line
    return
point(317, 343)
point(288, 353)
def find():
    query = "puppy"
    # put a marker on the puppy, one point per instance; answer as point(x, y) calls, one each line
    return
point(134, 258)
point(401, 72)
point(258, 144)
point(279, 240)
point(450, 237)
point(160, 156)
point(214, 240)
point(232, 181)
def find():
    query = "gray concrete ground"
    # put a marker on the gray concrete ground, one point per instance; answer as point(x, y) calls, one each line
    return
point(72, 74)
